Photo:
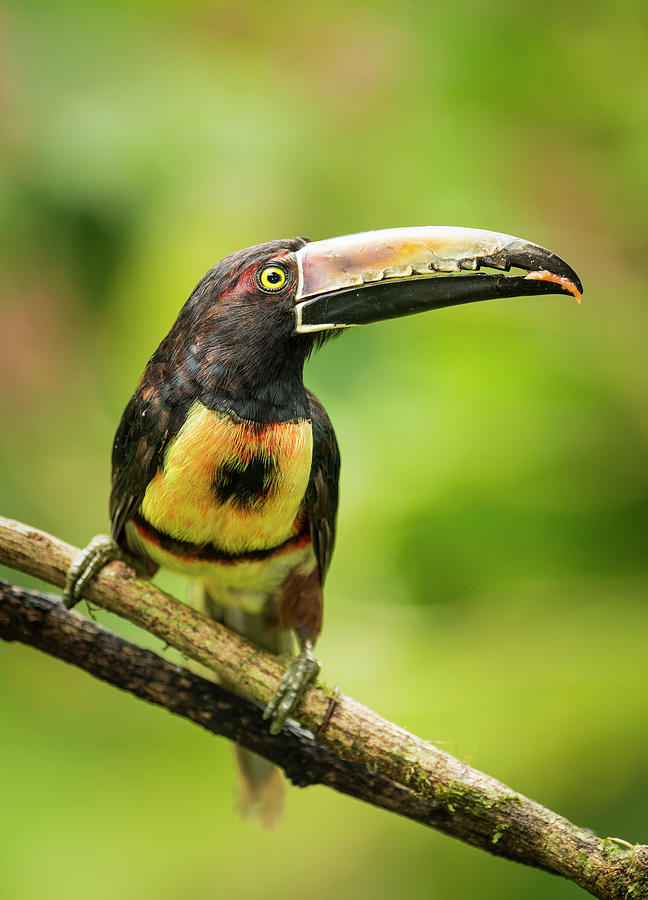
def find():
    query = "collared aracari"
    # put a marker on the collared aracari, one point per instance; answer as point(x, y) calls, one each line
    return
point(225, 467)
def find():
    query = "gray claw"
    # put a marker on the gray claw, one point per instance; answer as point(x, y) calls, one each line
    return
point(101, 550)
point(300, 672)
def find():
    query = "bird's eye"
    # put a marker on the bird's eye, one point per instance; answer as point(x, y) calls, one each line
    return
point(272, 278)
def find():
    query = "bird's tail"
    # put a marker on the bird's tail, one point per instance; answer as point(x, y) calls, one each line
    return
point(261, 787)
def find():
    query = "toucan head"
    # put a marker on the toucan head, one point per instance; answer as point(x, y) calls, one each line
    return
point(263, 309)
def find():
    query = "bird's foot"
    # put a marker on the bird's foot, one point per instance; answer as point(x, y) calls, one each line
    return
point(300, 672)
point(101, 550)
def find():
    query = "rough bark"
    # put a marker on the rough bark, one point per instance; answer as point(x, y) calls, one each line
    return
point(358, 752)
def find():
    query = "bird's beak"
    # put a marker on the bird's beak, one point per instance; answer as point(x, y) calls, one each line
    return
point(362, 278)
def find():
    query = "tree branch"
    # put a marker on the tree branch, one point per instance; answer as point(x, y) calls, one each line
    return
point(357, 752)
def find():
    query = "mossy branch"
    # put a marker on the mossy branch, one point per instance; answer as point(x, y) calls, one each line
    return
point(357, 752)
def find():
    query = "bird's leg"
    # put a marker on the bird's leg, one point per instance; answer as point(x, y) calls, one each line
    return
point(300, 672)
point(100, 551)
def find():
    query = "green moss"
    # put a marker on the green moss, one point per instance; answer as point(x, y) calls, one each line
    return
point(611, 848)
point(456, 796)
point(499, 831)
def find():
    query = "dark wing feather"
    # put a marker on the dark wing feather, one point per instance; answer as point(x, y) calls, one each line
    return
point(137, 453)
point(148, 424)
point(321, 500)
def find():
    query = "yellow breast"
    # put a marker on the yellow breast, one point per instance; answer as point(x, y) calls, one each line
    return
point(231, 483)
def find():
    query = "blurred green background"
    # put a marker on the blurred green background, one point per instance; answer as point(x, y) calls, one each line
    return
point(489, 585)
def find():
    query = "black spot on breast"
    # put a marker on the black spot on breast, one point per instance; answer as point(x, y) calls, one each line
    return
point(246, 484)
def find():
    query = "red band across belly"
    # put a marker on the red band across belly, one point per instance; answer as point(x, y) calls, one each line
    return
point(209, 552)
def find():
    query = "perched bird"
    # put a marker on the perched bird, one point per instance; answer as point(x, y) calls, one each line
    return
point(225, 467)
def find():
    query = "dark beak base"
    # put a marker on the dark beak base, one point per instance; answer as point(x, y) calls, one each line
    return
point(391, 299)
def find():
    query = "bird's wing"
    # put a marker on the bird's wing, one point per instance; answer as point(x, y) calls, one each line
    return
point(321, 500)
point(147, 426)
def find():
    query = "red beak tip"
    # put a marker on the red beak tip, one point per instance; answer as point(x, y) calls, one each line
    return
point(556, 279)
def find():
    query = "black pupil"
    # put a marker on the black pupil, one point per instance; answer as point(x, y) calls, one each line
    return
point(274, 277)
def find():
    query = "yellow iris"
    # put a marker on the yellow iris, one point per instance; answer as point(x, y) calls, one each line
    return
point(272, 278)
